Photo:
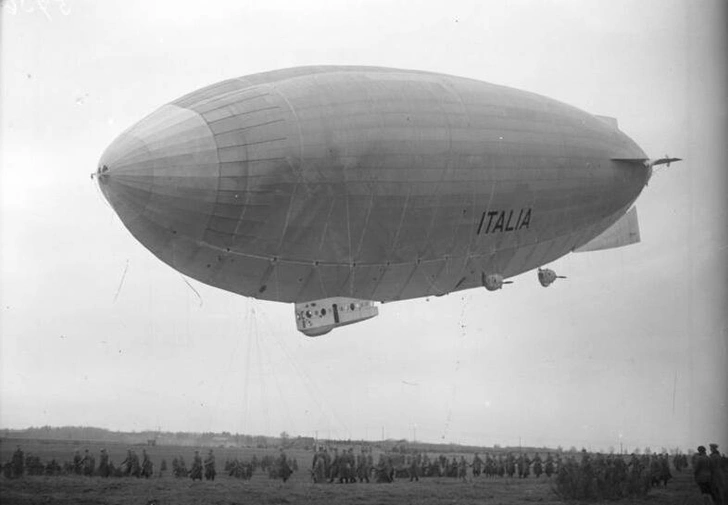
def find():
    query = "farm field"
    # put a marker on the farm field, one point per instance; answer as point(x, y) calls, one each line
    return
point(167, 490)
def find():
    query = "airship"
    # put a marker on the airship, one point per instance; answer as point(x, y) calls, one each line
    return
point(338, 188)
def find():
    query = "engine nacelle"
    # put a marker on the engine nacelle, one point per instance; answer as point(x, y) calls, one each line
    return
point(546, 276)
point(321, 316)
point(493, 282)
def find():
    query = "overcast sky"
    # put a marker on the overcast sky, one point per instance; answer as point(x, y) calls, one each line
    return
point(95, 330)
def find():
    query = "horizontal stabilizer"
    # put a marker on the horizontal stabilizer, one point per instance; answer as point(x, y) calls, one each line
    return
point(649, 163)
point(625, 231)
point(609, 121)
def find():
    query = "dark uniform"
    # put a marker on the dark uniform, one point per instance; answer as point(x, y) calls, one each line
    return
point(104, 463)
point(17, 462)
point(537, 466)
point(702, 471)
point(524, 465)
point(77, 466)
point(549, 467)
point(284, 469)
point(363, 466)
point(414, 467)
point(347, 468)
point(462, 468)
point(477, 465)
point(196, 471)
point(717, 479)
point(210, 466)
point(131, 464)
point(510, 465)
point(88, 464)
point(318, 466)
point(147, 466)
point(385, 470)
point(334, 467)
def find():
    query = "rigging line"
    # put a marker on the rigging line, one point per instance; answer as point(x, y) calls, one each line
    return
point(121, 282)
point(231, 363)
point(246, 383)
point(268, 356)
point(261, 373)
point(309, 384)
point(192, 288)
point(101, 195)
point(458, 344)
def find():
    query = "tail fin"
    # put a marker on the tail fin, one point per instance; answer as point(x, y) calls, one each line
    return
point(625, 231)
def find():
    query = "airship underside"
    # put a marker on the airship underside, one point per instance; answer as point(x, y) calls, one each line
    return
point(334, 187)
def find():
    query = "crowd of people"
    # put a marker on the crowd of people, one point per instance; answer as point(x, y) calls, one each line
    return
point(198, 469)
point(131, 466)
point(577, 476)
point(344, 467)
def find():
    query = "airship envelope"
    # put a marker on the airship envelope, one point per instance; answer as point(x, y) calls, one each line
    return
point(337, 187)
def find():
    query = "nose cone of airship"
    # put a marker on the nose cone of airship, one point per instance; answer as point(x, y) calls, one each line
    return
point(160, 176)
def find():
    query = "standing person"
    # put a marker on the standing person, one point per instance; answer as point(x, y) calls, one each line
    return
point(414, 467)
point(369, 464)
point(17, 462)
point(462, 469)
point(147, 465)
point(537, 466)
point(126, 464)
point(717, 479)
point(360, 464)
point(384, 470)
point(510, 465)
point(88, 464)
point(702, 471)
point(477, 465)
point(196, 471)
point(135, 466)
point(363, 467)
point(210, 466)
point(350, 466)
point(549, 465)
point(77, 466)
point(318, 466)
point(104, 464)
point(327, 462)
point(334, 468)
point(284, 469)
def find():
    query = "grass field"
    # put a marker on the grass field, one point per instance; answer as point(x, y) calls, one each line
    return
point(166, 490)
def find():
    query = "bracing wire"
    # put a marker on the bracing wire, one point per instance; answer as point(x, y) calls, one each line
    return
point(307, 382)
point(246, 381)
point(121, 282)
point(192, 288)
point(276, 381)
point(101, 195)
point(458, 345)
point(261, 373)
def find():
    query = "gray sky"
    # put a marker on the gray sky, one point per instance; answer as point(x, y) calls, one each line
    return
point(632, 347)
